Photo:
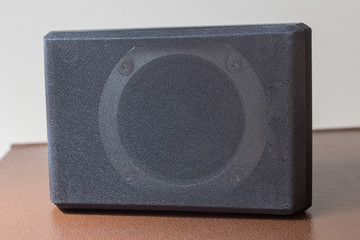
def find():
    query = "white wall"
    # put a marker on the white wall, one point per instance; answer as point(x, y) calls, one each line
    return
point(336, 48)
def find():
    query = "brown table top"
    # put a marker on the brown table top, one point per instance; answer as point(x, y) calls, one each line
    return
point(27, 213)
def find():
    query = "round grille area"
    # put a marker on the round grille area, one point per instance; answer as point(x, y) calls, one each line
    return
point(180, 119)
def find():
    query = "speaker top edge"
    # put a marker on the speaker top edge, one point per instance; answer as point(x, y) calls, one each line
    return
point(166, 32)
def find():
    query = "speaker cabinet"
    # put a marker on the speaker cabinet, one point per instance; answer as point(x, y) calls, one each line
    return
point(214, 119)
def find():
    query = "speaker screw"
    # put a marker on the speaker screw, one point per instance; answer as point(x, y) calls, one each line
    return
point(233, 64)
point(237, 175)
point(126, 67)
point(129, 174)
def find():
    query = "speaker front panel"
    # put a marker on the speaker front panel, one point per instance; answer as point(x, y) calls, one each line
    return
point(197, 119)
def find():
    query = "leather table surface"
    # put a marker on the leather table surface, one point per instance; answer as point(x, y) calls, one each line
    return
point(27, 213)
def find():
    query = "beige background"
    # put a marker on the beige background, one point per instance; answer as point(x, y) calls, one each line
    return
point(336, 48)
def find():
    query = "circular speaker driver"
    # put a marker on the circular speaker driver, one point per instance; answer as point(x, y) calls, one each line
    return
point(180, 118)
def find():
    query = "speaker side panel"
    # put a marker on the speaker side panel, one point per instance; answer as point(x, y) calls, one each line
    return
point(302, 119)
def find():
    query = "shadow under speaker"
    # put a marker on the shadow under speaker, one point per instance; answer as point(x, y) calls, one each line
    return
point(214, 119)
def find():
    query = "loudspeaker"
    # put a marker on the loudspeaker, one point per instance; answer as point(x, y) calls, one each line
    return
point(214, 119)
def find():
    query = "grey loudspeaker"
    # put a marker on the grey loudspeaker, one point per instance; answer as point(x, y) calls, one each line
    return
point(213, 119)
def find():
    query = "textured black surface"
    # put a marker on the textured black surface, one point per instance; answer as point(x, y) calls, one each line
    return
point(207, 127)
